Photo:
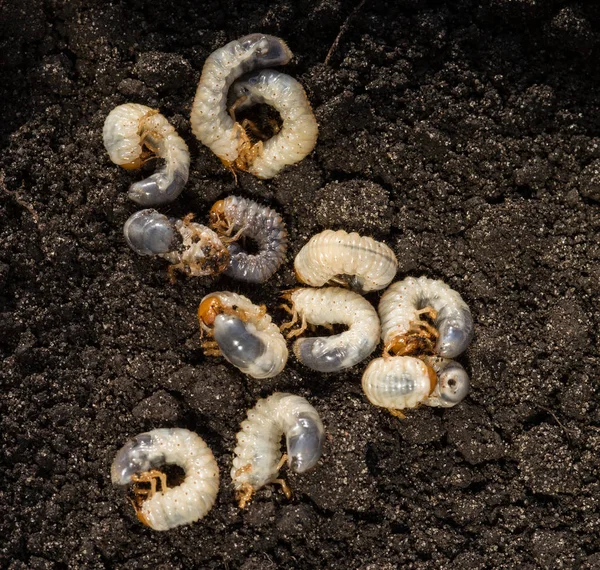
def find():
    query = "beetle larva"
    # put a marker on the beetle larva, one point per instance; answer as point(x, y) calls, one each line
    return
point(259, 223)
point(137, 462)
point(243, 333)
point(258, 457)
point(135, 133)
point(405, 331)
point(189, 247)
point(360, 262)
point(325, 307)
point(400, 382)
point(298, 134)
point(211, 123)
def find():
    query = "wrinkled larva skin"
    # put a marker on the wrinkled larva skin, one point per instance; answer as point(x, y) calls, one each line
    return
point(299, 130)
point(402, 328)
point(361, 262)
point(258, 451)
point(173, 506)
point(260, 223)
point(333, 305)
point(122, 136)
point(244, 333)
point(401, 382)
point(191, 248)
point(211, 123)
point(130, 128)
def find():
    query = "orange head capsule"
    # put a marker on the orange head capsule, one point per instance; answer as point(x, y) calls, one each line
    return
point(433, 379)
point(218, 218)
point(134, 165)
point(208, 309)
point(408, 345)
point(217, 212)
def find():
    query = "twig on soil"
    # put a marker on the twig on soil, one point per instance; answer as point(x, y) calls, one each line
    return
point(18, 199)
point(342, 31)
point(565, 429)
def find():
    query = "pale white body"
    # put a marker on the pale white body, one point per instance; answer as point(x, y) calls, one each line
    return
point(122, 132)
point(397, 382)
point(201, 253)
point(371, 264)
point(400, 382)
point(258, 452)
point(211, 123)
point(399, 311)
point(175, 506)
point(299, 129)
point(272, 355)
point(130, 127)
point(334, 305)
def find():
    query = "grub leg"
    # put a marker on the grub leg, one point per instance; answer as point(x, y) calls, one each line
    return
point(244, 495)
point(235, 105)
point(397, 413)
point(291, 323)
point(282, 461)
point(430, 312)
point(298, 332)
point(284, 487)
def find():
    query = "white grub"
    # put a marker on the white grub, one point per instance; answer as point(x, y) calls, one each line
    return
point(404, 330)
point(337, 256)
point(137, 463)
point(258, 456)
point(326, 307)
point(248, 219)
point(243, 334)
point(400, 382)
point(135, 133)
point(299, 130)
point(211, 123)
point(191, 248)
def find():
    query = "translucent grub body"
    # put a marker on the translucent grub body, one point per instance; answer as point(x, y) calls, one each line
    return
point(326, 307)
point(299, 130)
point(424, 316)
point(342, 258)
point(236, 218)
point(242, 333)
point(137, 462)
point(400, 382)
point(135, 133)
point(211, 123)
point(258, 456)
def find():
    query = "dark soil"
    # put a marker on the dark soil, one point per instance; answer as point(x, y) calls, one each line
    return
point(465, 134)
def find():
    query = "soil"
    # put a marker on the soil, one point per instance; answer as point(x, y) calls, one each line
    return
point(464, 134)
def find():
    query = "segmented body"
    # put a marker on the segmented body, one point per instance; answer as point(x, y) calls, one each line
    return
point(258, 452)
point(361, 262)
point(133, 133)
point(191, 248)
point(262, 224)
point(401, 382)
point(298, 134)
point(403, 329)
point(328, 306)
point(244, 334)
point(137, 461)
point(211, 123)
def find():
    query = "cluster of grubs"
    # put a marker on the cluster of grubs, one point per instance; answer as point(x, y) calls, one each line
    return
point(423, 323)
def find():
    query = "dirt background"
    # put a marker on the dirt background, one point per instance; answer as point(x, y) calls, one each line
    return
point(465, 134)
